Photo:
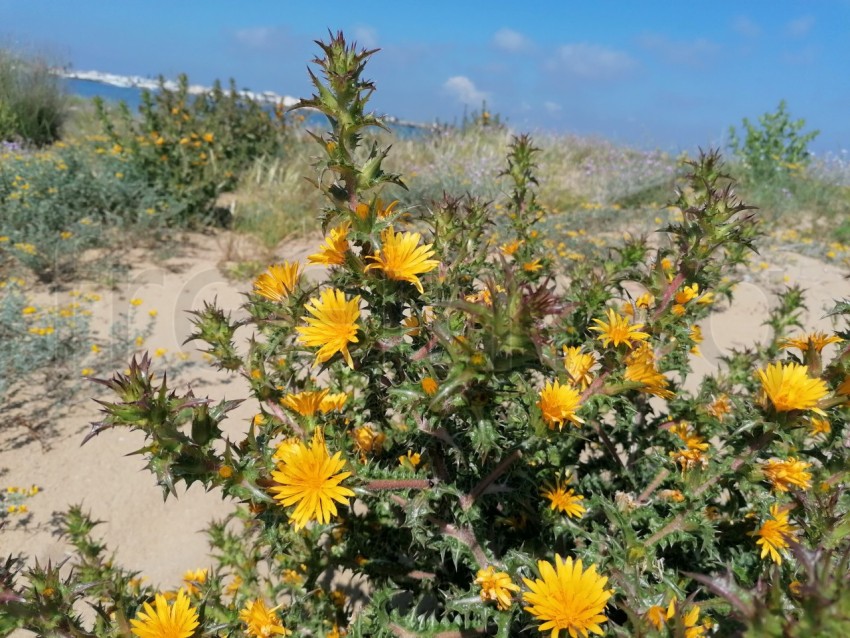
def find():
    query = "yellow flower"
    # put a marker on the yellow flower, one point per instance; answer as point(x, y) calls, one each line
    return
point(696, 337)
point(429, 386)
point(818, 425)
point(333, 402)
point(640, 368)
point(402, 258)
point(564, 500)
point(511, 247)
point(559, 403)
point(332, 252)
point(578, 365)
point(496, 587)
point(262, 622)
point(309, 477)
point(87, 372)
point(192, 579)
point(720, 407)
point(411, 459)
point(695, 446)
point(689, 620)
point(362, 209)
point(774, 534)
point(367, 440)
point(567, 597)
point(687, 293)
point(645, 301)
point(816, 341)
point(789, 387)
point(333, 325)
point(618, 330)
point(208, 138)
point(657, 616)
point(166, 621)
point(225, 471)
point(532, 266)
point(305, 403)
point(278, 281)
point(136, 302)
point(783, 474)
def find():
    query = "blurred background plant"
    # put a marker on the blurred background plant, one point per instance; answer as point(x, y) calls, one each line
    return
point(33, 101)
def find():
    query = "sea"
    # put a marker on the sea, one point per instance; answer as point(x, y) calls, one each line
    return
point(132, 96)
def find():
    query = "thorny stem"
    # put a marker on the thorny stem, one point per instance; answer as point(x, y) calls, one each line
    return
point(400, 484)
point(468, 500)
point(676, 524)
point(668, 295)
point(275, 409)
point(658, 480)
point(467, 537)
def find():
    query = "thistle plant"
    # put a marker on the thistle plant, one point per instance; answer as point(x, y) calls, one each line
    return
point(450, 442)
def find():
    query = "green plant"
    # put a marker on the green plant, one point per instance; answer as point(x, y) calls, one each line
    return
point(33, 104)
point(59, 202)
point(449, 443)
point(193, 147)
point(775, 148)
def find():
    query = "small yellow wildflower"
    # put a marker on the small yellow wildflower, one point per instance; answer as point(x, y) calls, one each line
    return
point(789, 387)
point(618, 330)
point(774, 534)
point(332, 252)
point(410, 460)
point(402, 258)
point(565, 500)
point(429, 386)
point(260, 621)
point(496, 587)
point(558, 404)
point(784, 474)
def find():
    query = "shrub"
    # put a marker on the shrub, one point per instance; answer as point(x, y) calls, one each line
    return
point(58, 203)
point(193, 147)
point(475, 449)
point(774, 149)
point(33, 104)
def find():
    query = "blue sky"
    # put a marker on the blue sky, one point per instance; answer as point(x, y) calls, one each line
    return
point(655, 74)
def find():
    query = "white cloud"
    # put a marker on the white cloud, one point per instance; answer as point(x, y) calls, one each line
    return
point(464, 90)
point(366, 36)
point(592, 61)
point(259, 37)
point(510, 40)
point(698, 52)
point(551, 107)
point(800, 27)
point(742, 25)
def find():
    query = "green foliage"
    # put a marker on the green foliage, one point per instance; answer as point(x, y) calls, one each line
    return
point(492, 412)
point(775, 148)
point(58, 203)
point(193, 146)
point(52, 342)
point(33, 104)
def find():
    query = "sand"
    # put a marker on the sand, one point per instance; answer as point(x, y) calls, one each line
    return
point(161, 539)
